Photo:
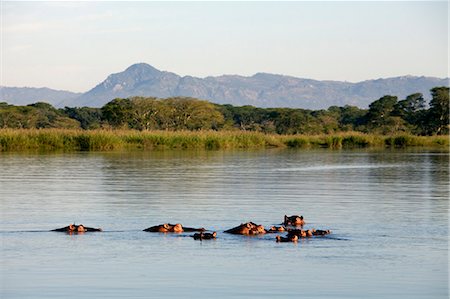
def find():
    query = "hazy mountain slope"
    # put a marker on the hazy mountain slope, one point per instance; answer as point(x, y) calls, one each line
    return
point(261, 89)
point(29, 95)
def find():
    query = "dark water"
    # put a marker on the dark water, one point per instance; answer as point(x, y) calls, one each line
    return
point(388, 211)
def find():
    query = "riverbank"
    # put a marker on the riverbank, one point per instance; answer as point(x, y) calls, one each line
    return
point(108, 140)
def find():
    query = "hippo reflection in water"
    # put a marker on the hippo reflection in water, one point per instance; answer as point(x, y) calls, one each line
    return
point(294, 220)
point(72, 228)
point(248, 228)
point(204, 236)
point(172, 228)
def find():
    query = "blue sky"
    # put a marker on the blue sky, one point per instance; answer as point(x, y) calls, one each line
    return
point(75, 45)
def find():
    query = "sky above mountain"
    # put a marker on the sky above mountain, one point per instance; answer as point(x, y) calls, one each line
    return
point(70, 45)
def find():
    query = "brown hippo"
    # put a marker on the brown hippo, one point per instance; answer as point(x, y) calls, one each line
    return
point(248, 228)
point(204, 236)
point(294, 220)
point(172, 228)
point(320, 232)
point(72, 228)
point(276, 229)
point(178, 228)
point(162, 228)
point(293, 238)
point(258, 229)
point(300, 233)
point(297, 232)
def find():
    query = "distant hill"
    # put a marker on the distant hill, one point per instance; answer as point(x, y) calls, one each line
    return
point(261, 89)
point(29, 95)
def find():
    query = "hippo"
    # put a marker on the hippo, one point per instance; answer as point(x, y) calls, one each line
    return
point(297, 232)
point(276, 229)
point(72, 228)
point(293, 238)
point(294, 220)
point(300, 233)
point(204, 236)
point(320, 232)
point(189, 229)
point(172, 228)
point(162, 228)
point(248, 228)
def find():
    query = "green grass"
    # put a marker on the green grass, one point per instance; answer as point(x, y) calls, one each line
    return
point(108, 140)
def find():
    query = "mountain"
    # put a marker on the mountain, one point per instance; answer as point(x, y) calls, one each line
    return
point(29, 95)
point(261, 89)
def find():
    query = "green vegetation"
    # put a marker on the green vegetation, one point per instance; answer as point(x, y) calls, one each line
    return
point(386, 115)
point(191, 123)
point(106, 140)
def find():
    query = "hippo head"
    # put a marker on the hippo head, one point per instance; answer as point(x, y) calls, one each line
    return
point(81, 228)
point(178, 228)
point(260, 229)
point(71, 227)
point(294, 238)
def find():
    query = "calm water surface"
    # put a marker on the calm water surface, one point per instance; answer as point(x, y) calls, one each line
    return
point(388, 211)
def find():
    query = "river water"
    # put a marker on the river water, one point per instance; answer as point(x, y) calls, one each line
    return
point(388, 212)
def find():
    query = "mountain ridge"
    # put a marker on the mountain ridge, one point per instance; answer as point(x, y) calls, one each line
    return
point(261, 89)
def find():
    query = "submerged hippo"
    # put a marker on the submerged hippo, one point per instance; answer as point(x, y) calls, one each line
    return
point(276, 229)
point(294, 220)
point(320, 232)
point(204, 236)
point(172, 228)
point(297, 232)
point(308, 233)
point(300, 233)
point(72, 228)
point(293, 238)
point(248, 228)
point(162, 228)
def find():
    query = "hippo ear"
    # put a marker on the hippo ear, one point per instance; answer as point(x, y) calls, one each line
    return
point(249, 225)
point(165, 225)
point(214, 234)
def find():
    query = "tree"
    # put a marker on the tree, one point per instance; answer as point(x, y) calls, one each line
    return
point(118, 113)
point(380, 117)
point(89, 118)
point(352, 117)
point(409, 107)
point(438, 115)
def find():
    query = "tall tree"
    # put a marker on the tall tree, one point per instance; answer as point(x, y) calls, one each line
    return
point(438, 114)
point(118, 113)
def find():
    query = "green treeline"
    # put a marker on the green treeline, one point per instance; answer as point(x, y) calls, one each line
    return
point(385, 116)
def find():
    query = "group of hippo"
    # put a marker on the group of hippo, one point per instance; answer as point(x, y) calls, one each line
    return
point(291, 224)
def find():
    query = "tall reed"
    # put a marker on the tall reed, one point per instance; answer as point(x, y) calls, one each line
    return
point(107, 140)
